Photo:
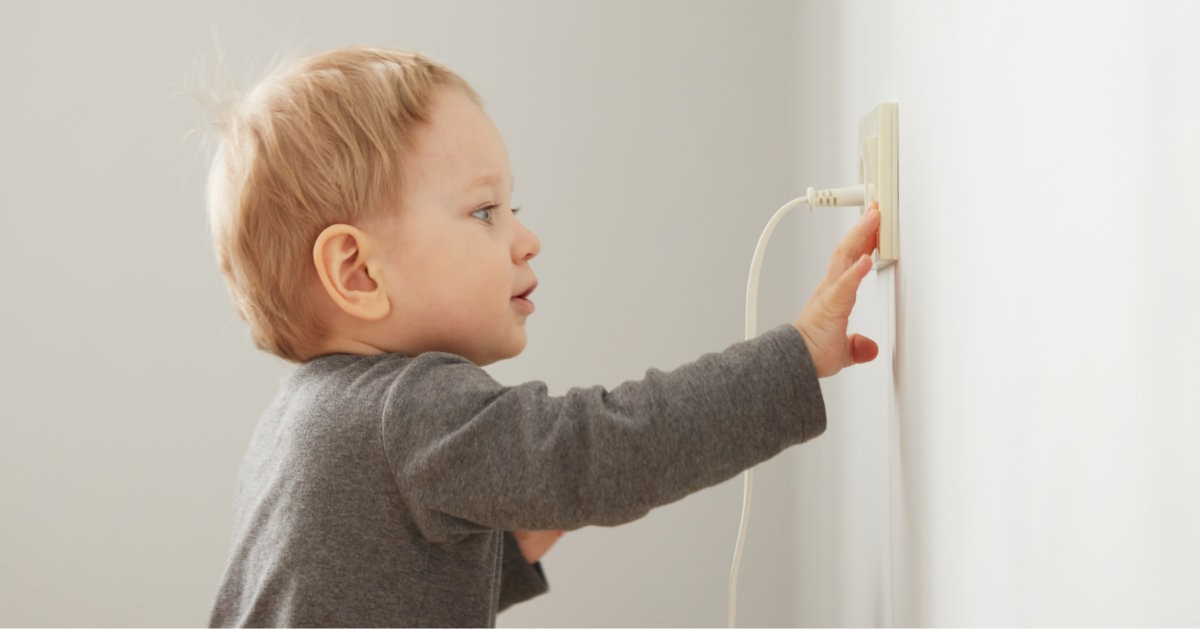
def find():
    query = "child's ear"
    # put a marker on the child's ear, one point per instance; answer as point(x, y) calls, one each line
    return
point(349, 263)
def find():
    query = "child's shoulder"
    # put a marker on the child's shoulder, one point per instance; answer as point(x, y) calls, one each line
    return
point(391, 378)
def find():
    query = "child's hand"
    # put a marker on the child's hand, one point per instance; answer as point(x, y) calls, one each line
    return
point(534, 544)
point(824, 319)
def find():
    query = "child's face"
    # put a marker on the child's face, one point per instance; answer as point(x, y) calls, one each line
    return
point(456, 254)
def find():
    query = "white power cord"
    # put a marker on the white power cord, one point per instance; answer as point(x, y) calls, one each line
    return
point(845, 196)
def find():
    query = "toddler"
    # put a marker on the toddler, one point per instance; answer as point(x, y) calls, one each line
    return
point(360, 208)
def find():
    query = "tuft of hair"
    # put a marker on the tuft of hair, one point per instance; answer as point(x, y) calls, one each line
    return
point(315, 143)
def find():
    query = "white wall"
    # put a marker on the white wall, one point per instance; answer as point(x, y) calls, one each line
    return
point(1032, 422)
point(650, 142)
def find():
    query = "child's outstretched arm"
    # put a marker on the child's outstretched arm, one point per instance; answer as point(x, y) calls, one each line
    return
point(472, 455)
point(823, 321)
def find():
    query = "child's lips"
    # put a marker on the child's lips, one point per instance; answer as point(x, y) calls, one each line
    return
point(522, 300)
point(523, 304)
point(527, 293)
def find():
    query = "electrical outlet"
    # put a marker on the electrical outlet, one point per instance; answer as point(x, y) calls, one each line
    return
point(879, 168)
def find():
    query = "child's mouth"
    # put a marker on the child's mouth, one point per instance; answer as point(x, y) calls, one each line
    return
point(523, 302)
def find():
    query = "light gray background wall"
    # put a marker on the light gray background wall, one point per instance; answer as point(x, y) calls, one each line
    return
point(650, 142)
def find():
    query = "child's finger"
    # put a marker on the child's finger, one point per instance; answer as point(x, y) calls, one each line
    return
point(861, 239)
point(845, 291)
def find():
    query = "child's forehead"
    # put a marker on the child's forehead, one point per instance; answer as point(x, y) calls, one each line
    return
point(491, 179)
point(459, 151)
point(463, 177)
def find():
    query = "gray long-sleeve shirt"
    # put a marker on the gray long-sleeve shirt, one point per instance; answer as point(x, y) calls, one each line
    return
point(379, 490)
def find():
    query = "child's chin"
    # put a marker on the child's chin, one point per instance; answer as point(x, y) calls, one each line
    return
point(503, 354)
point(516, 351)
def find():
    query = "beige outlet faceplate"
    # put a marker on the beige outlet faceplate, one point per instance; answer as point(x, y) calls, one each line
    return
point(879, 168)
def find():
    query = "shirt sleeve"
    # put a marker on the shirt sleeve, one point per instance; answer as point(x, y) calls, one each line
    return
point(470, 454)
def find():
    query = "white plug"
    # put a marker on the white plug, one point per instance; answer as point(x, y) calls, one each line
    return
point(848, 196)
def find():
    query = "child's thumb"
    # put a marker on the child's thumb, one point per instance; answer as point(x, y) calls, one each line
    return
point(862, 349)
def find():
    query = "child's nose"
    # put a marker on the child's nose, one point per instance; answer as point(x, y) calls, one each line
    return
point(526, 246)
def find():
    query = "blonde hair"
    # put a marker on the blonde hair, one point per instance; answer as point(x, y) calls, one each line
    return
point(315, 144)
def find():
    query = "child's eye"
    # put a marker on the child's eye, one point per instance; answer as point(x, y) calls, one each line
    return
point(484, 214)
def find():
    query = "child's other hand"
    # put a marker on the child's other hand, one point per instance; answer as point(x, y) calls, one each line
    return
point(824, 319)
point(535, 544)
